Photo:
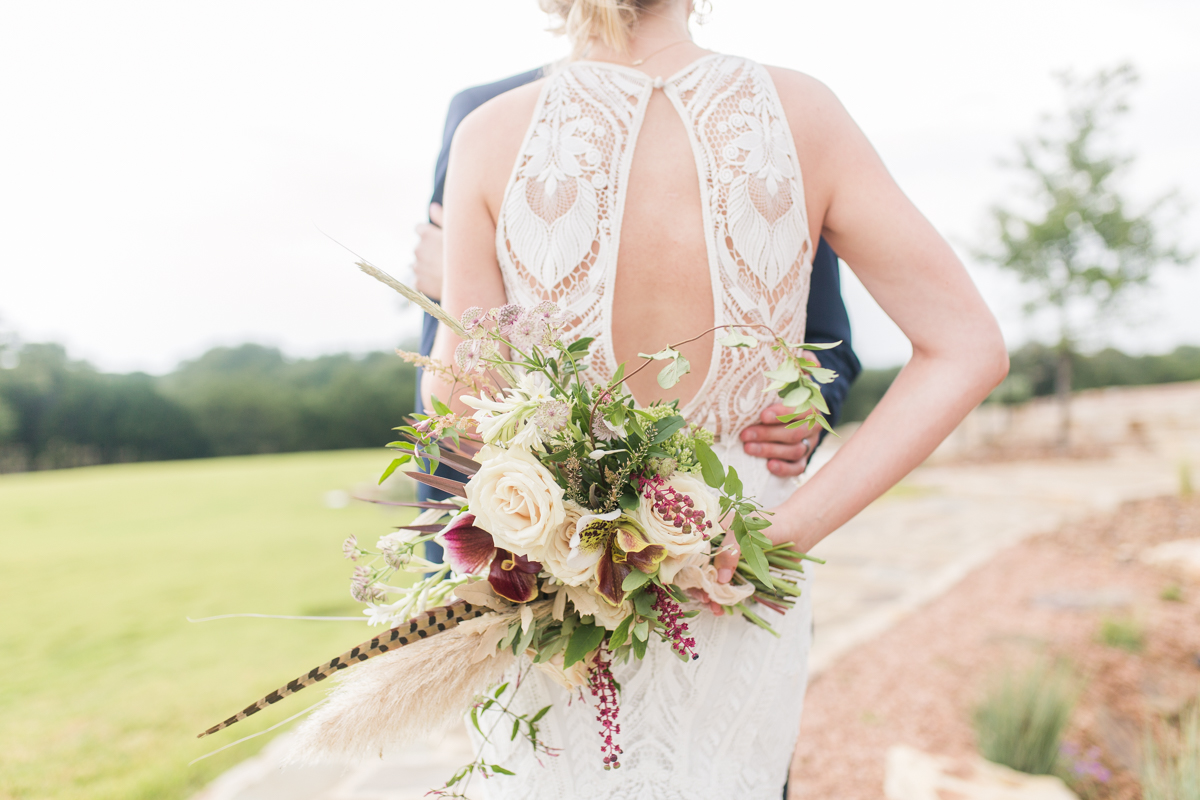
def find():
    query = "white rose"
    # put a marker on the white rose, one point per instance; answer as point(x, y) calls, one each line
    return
point(699, 573)
point(570, 679)
point(588, 604)
point(516, 500)
point(558, 548)
point(660, 531)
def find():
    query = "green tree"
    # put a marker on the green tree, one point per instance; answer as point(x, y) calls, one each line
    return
point(1077, 242)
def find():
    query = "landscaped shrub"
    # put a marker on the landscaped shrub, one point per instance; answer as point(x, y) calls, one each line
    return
point(1171, 766)
point(1127, 634)
point(1021, 720)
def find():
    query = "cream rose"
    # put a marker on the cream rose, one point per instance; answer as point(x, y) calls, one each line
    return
point(699, 573)
point(588, 604)
point(569, 679)
point(558, 548)
point(660, 531)
point(516, 500)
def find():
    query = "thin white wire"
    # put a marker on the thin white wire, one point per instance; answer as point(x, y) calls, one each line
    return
point(276, 616)
point(313, 707)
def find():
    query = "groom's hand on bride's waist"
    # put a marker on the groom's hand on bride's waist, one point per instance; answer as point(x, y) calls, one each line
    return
point(787, 450)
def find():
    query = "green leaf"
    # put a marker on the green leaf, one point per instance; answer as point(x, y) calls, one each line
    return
point(619, 375)
point(635, 580)
point(733, 484)
point(441, 408)
point(501, 770)
point(816, 345)
point(641, 631)
point(639, 648)
point(395, 465)
point(665, 428)
point(643, 603)
point(580, 345)
point(710, 465)
point(753, 555)
point(785, 373)
point(621, 634)
point(797, 398)
point(672, 373)
point(541, 714)
point(499, 691)
point(666, 354)
point(822, 375)
point(628, 500)
point(584, 640)
point(737, 339)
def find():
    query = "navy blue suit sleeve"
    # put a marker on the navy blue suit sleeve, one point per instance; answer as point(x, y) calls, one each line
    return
point(828, 321)
point(461, 105)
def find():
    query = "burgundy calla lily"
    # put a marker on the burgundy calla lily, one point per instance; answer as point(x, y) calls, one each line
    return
point(514, 577)
point(471, 548)
point(468, 547)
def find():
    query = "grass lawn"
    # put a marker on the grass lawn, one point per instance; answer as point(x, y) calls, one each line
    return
point(105, 684)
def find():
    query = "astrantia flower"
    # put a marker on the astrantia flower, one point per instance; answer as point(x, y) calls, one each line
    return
point(615, 545)
point(471, 549)
point(471, 353)
point(350, 548)
point(552, 417)
point(471, 318)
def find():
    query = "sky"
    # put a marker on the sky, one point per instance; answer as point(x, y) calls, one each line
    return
point(176, 176)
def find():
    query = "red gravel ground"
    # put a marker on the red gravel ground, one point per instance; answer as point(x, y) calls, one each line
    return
point(919, 683)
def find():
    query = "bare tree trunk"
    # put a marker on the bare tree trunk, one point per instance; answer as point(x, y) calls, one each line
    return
point(1062, 391)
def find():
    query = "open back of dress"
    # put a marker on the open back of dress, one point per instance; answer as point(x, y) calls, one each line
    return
point(723, 726)
point(559, 229)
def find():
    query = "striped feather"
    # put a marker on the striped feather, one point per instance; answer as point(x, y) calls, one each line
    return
point(432, 622)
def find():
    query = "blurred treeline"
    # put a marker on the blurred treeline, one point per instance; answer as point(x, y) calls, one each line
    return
point(56, 413)
point(1032, 374)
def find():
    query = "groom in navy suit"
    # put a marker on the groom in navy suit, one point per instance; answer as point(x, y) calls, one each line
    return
point(787, 450)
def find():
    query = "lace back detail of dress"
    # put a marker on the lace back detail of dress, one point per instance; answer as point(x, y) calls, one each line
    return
point(558, 234)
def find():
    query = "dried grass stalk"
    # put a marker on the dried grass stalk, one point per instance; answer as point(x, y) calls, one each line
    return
point(404, 696)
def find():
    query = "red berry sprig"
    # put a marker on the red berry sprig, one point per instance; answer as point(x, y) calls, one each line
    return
point(674, 623)
point(604, 689)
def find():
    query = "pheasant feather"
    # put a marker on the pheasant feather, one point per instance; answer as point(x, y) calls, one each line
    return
point(431, 623)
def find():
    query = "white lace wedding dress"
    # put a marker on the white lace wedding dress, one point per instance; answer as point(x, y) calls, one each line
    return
point(722, 726)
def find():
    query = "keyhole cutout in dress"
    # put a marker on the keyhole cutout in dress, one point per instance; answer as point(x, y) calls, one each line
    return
point(662, 292)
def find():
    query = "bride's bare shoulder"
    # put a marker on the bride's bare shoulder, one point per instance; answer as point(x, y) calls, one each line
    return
point(803, 95)
point(501, 121)
point(489, 138)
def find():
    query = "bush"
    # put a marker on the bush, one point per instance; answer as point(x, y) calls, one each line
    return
point(1171, 768)
point(1126, 634)
point(1020, 722)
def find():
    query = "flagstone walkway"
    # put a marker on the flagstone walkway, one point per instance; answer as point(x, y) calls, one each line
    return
point(906, 549)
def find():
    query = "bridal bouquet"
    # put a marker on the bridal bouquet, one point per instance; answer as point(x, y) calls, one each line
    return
point(581, 528)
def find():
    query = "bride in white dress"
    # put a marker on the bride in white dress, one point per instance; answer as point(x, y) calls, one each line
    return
point(652, 190)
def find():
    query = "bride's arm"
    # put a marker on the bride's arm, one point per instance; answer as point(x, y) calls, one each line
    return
point(958, 353)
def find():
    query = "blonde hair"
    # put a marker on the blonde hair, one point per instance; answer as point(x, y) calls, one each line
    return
point(610, 21)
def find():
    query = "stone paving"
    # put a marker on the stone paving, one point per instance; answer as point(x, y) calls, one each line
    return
point(904, 550)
